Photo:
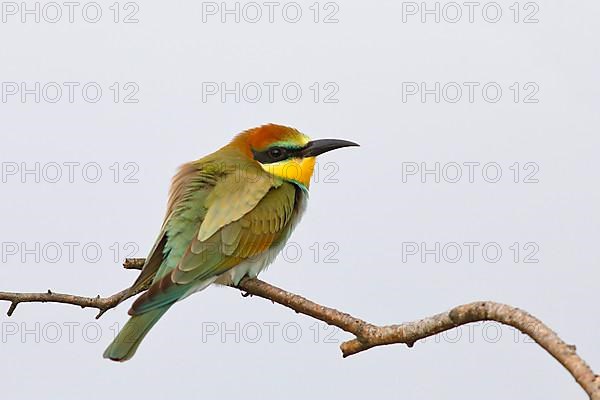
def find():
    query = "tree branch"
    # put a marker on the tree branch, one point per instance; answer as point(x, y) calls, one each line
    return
point(103, 304)
point(367, 335)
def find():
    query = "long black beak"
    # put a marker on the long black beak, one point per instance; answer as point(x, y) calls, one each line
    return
point(316, 147)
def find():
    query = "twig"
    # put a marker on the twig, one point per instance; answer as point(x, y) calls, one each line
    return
point(368, 335)
point(101, 303)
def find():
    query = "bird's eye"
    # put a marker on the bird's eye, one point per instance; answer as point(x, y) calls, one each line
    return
point(276, 153)
point(273, 154)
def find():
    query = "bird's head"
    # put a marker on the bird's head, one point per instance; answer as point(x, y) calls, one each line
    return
point(285, 152)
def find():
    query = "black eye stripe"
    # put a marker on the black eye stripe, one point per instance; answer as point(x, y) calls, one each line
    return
point(275, 154)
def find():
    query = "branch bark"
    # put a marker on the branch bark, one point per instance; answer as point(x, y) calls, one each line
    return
point(367, 335)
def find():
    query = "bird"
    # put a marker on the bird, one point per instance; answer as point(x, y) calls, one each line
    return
point(228, 215)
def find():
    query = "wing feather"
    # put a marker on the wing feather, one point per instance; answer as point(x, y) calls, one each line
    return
point(232, 230)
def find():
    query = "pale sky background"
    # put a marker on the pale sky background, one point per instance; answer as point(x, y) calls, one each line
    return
point(362, 213)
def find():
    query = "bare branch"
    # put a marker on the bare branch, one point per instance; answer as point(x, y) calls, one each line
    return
point(101, 303)
point(368, 335)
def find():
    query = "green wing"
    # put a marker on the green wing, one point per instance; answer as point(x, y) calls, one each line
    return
point(192, 185)
point(214, 230)
point(251, 235)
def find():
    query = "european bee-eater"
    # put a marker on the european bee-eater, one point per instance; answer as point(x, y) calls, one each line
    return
point(228, 216)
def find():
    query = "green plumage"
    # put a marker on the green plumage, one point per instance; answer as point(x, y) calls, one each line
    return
point(224, 218)
point(129, 338)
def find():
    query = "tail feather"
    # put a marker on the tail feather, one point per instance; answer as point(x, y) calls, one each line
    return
point(129, 338)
